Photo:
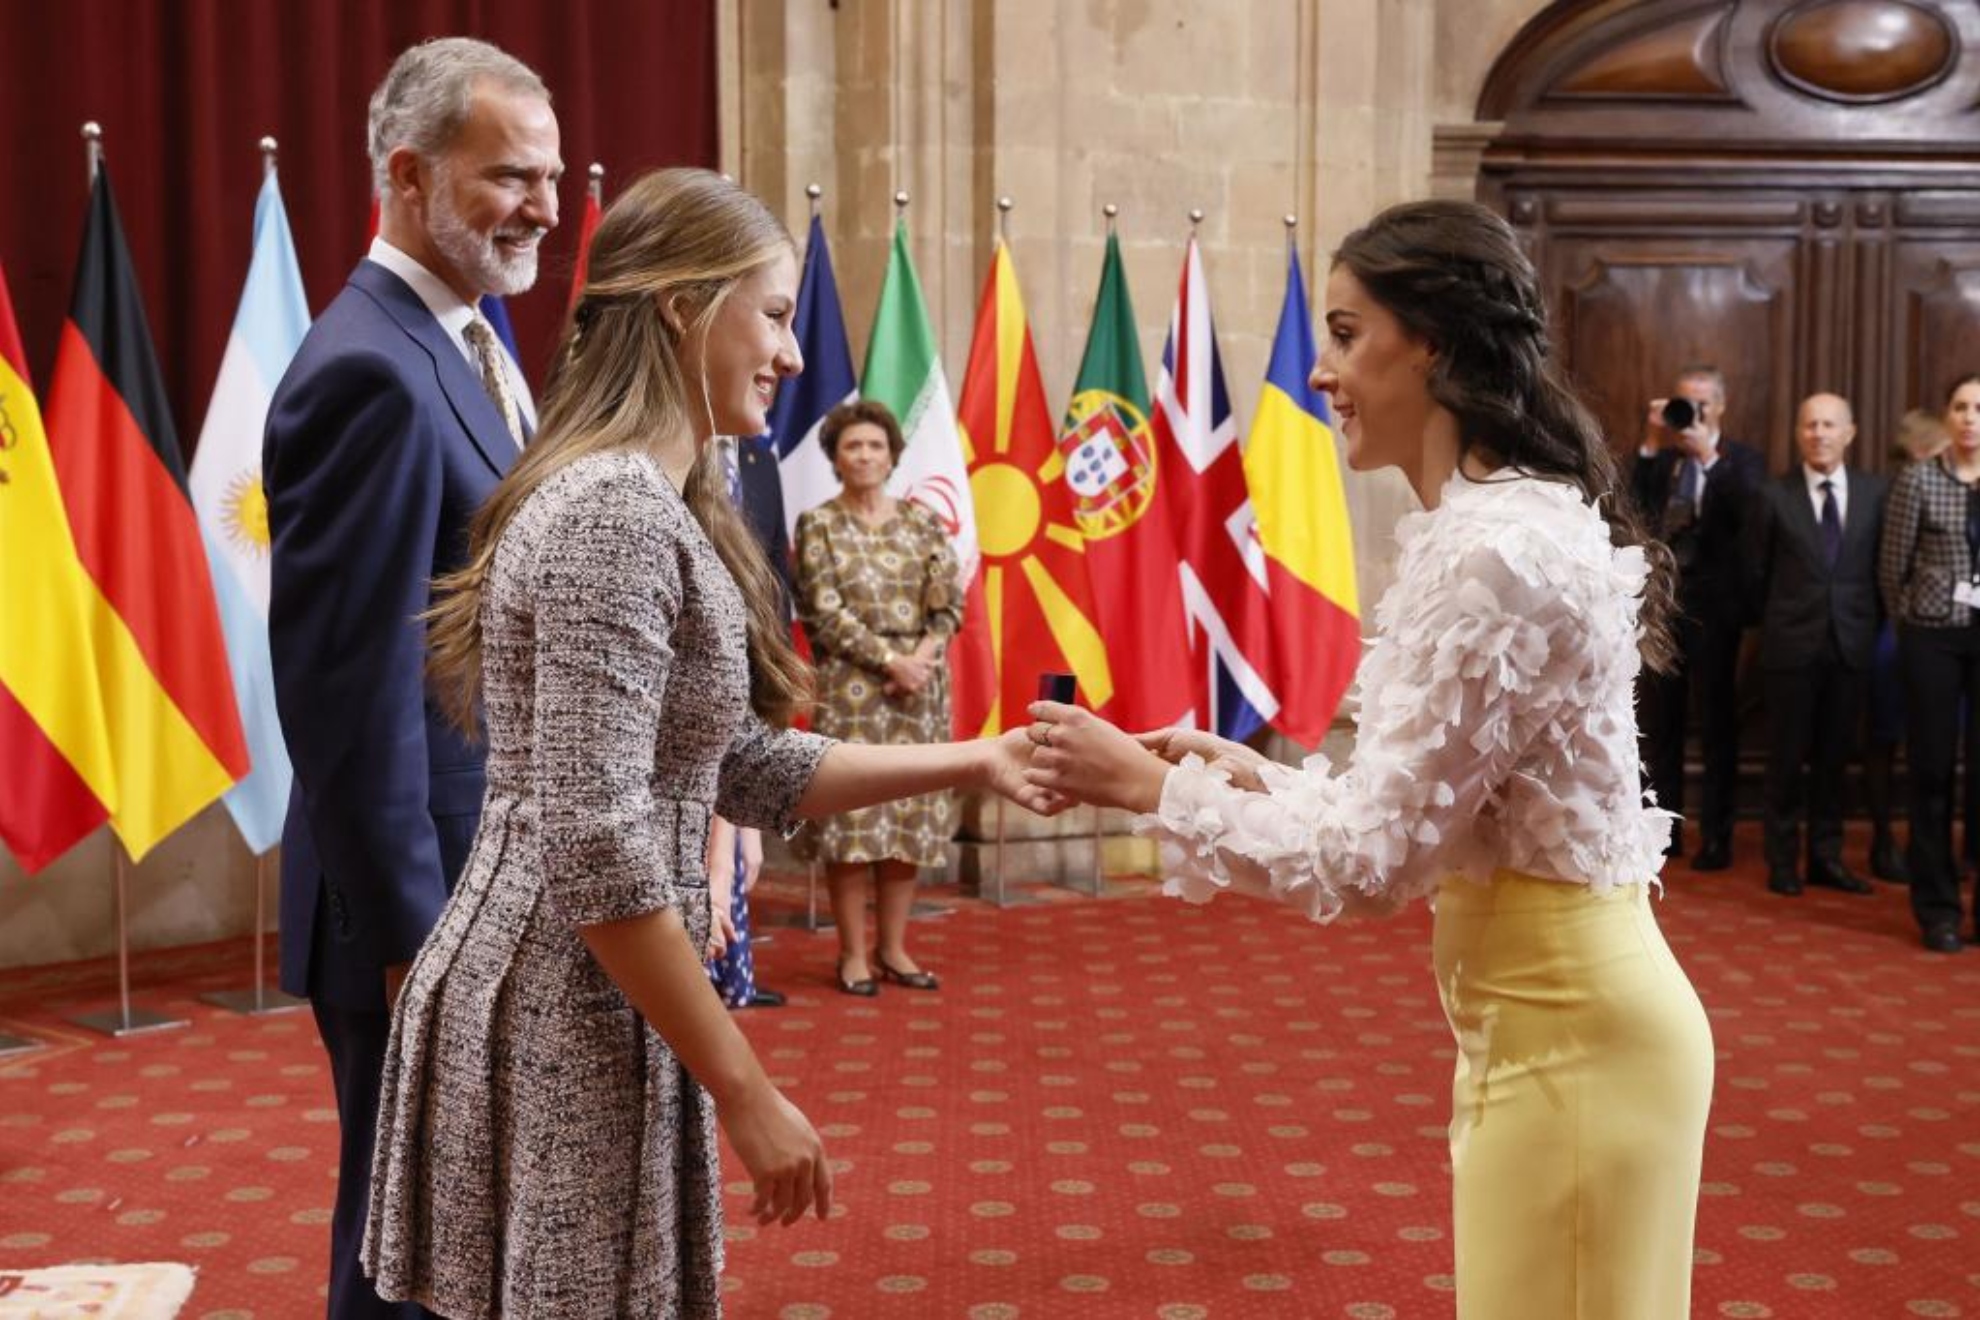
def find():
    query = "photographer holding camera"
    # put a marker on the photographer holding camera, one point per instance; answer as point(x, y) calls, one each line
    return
point(1696, 487)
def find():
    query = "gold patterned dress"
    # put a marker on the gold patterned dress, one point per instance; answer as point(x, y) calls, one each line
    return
point(862, 592)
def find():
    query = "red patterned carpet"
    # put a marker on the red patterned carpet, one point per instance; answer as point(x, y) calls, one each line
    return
point(1118, 1107)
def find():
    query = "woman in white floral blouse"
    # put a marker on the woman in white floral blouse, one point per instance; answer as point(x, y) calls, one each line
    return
point(1496, 770)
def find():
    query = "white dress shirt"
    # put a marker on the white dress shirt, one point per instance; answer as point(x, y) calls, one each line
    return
point(453, 316)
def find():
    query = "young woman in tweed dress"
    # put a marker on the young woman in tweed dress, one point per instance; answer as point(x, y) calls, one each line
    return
point(558, 1061)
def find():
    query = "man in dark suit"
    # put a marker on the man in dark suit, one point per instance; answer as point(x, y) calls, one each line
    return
point(1813, 564)
point(394, 423)
point(758, 490)
point(1696, 487)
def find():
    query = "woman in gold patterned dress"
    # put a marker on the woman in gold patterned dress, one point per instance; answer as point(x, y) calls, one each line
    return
point(876, 587)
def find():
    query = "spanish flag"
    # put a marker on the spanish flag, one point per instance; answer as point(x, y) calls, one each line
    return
point(174, 739)
point(1294, 473)
point(1036, 605)
point(59, 786)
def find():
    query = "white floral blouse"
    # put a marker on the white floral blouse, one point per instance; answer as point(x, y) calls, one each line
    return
point(1497, 727)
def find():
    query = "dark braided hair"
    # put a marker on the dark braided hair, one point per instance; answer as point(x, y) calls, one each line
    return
point(1454, 275)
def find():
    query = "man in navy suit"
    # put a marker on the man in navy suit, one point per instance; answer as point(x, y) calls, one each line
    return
point(394, 423)
point(1813, 560)
point(1696, 487)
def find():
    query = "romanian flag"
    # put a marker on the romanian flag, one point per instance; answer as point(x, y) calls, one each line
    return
point(1030, 595)
point(1294, 472)
point(59, 780)
point(174, 732)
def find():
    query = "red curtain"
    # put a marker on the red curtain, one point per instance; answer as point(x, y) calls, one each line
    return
point(185, 89)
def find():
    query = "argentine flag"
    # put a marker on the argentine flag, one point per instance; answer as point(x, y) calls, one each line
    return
point(233, 511)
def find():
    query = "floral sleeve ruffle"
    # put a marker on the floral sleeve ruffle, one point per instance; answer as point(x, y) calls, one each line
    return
point(1496, 730)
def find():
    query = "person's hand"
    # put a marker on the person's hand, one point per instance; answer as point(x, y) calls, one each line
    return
point(752, 855)
point(721, 920)
point(1656, 435)
point(1078, 755)
point(908, 673)
point(784, 1156)
point(1241, 763)
point(1007, 759)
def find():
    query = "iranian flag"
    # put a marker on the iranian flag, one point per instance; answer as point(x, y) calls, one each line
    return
point(904, 371)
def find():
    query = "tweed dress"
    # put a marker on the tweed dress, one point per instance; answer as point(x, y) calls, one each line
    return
point(541, 1152)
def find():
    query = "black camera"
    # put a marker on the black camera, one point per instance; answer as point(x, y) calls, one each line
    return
point(1680, 414)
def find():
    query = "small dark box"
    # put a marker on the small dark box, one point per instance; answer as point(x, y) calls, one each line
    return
point(1062, 688)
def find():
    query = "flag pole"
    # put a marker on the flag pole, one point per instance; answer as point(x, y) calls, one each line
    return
point(257, 1000)
point(1004, 205)
point(595, 187)
point(126, 1020)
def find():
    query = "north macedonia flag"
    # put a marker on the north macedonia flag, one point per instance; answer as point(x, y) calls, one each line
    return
point(1030, 608)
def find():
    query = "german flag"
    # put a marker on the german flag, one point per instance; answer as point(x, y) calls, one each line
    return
point(1037, 605)
point(173, 729)
point(59, 786)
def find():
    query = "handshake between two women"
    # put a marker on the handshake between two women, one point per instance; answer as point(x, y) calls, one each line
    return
point(1073, 756)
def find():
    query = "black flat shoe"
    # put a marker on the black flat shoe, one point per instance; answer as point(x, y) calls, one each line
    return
point(865, 988)
point(761, 998)
point(1784, 882)
point(912, 980)
point(1887, 863)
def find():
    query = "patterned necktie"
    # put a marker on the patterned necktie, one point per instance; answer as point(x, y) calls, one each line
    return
point(1831, 522)
point(1682, 508)
point(728, 448)
point(488, 357)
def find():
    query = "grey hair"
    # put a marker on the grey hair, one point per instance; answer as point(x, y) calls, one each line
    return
point(428, 91)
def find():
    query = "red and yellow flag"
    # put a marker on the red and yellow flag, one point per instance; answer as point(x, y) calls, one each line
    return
point(59, 781)
point(1030, 600)
point(174, 730)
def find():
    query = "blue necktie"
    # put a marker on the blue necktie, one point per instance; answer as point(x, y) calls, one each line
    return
point(1831, 522)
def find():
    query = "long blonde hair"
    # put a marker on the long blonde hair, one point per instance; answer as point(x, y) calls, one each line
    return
point(681, 235)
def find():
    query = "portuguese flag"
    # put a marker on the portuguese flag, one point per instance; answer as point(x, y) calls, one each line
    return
point(1037, 604)
point(174, 739)
point(1131, 550)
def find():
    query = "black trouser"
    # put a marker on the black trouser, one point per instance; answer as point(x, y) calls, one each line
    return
point(356, 1042)
point(1708, 658)
point(1811, 721)
point(1941, 666)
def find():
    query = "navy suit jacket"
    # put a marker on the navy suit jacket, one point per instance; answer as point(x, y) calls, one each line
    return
point(1801, 601)
point(763, 506)
point(381, 444)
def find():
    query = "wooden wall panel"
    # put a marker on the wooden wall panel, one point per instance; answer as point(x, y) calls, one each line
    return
point(1634, 311)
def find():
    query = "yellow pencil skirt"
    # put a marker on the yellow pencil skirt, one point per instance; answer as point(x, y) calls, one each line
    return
point(1584, 1076)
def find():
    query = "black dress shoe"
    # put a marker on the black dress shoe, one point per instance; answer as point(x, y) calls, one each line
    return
point(1715, 855)
point(761, 998)
point(1887, 862)
point(1784, 882)
point(1943, 938)
point(1832, 875)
